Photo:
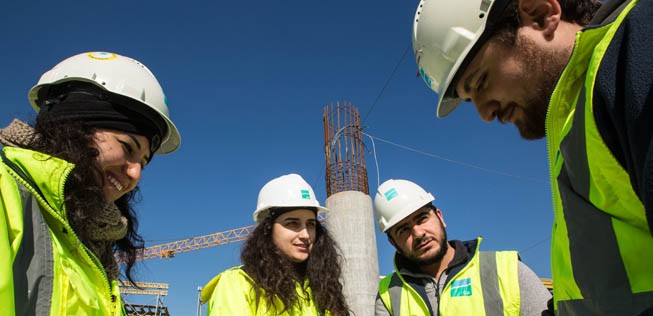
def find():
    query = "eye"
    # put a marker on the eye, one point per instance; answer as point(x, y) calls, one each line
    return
point(311, 224)
point(291, 224)
point(401, 231)
point(127, 148)
point(481, 82)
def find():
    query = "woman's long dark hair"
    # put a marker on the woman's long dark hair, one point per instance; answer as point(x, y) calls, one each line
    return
point(84, 198)
point(275, 275)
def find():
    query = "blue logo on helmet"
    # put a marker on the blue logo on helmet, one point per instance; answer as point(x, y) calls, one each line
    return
point(424, 76)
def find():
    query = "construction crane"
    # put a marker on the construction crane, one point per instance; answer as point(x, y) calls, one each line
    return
point(170, 249)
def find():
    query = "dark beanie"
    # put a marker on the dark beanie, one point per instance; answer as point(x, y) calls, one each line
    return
point(101, 109)
point(275, 212)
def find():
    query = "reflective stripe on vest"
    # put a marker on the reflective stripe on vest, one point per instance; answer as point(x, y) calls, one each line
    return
point(602, 249)
point(463, 295)
point(33, 265)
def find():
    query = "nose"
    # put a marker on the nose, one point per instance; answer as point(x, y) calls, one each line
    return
point(303, 234)
point(417, 231)
point(133, 170)
point(487, 110)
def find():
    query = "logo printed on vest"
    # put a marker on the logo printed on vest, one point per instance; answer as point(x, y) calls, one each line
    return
point(461, 287)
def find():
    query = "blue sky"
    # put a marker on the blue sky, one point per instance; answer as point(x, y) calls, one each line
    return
point(247, 82)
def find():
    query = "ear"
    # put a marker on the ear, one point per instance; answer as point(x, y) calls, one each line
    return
point(392, 242)
point(438, 213)
point(542, 15)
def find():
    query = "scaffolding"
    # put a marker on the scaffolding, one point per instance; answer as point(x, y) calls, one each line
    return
point(159, 290)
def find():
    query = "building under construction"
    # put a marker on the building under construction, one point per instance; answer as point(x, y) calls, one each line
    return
point(350, 219)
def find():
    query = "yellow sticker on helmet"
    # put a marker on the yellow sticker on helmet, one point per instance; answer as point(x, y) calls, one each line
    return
point(102, 55)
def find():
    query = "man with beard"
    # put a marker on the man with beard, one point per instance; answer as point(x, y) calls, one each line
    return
point(578, 72)
point(434, 276)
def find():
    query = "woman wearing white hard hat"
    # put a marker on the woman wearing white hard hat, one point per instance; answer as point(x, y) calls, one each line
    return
point(67, 185)
point(290, 263)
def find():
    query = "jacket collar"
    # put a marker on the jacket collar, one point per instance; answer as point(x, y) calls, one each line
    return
point(49, 173)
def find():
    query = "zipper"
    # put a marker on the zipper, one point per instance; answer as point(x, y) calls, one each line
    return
point(67, 229)
point(551, 125)
point(453, 277)
point(437, 292)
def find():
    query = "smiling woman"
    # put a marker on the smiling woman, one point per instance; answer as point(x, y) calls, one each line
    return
point(290, 263)
point(122, 157)
point(67, 185)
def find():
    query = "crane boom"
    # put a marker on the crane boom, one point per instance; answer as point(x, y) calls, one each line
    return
point(169, 250)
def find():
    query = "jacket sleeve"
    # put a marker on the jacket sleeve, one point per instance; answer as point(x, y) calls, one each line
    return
point(233, 295)
point(10, 236)
point(532, 293)
point(623, 101)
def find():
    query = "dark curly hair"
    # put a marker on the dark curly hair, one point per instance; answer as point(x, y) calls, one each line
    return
point(579, 12)
point(275, 275)
point(84, 198)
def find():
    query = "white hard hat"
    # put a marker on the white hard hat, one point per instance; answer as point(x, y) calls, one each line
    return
point(119, 75)
point(286, 191)
point(396, 199)
point(446, 36)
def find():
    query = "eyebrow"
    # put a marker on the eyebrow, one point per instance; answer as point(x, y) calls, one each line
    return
point(298, 219)
point(467, 84)
point(396, 229)
point(138, 144)
point(418, 215)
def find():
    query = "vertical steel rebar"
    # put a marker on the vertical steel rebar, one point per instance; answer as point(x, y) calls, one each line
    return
point(344, 151)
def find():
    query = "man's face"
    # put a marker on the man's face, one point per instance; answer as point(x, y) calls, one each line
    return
point(421, 237)
point(513, 83)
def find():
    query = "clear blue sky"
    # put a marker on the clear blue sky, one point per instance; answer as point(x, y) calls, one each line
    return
point(247, 82)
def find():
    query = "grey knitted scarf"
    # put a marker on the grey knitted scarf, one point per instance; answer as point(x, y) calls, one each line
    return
point(103, 230)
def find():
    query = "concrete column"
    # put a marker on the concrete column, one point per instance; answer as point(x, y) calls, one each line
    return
point(351, 223)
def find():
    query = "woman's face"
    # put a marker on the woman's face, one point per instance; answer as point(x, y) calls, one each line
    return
point(122, 159)
point(294, 232)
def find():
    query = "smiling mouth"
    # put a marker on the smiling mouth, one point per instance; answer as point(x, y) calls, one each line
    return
point(302, 247)
point(115, 183)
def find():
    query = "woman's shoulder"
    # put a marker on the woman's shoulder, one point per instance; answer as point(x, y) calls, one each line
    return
point(227, 278)
point(236, 272)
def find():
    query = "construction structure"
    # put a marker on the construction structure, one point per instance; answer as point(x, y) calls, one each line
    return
point(169, 250)
point(159, 290)
point(350, 219)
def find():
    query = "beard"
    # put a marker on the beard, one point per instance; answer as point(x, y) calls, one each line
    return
point(543, 67)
